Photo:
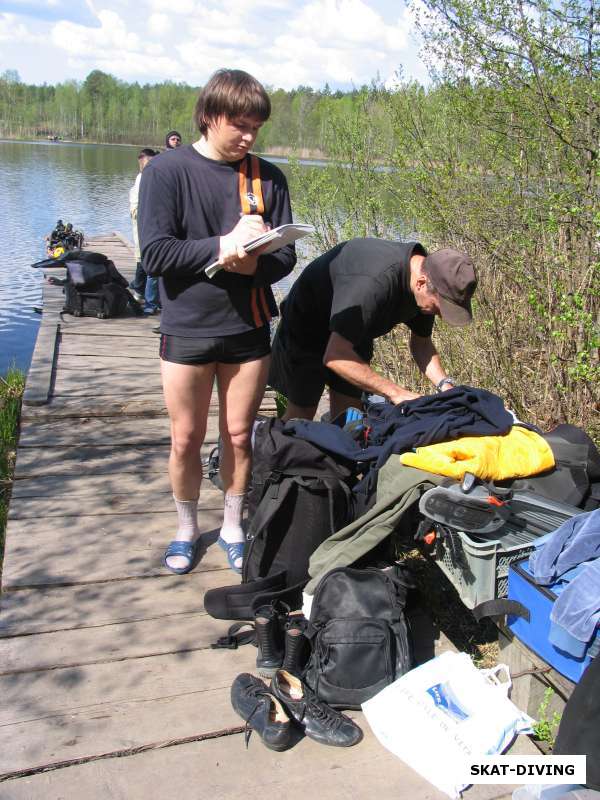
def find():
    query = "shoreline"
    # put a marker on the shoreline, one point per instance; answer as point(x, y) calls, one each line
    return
point(275, 152)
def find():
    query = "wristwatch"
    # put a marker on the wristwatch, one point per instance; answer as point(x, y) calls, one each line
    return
point(440, 384)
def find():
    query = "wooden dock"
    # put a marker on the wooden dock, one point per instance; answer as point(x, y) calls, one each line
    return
point(109, 686)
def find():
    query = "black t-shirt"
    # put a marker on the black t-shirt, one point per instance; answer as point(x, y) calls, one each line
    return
point(359, 289)
point(187, 201)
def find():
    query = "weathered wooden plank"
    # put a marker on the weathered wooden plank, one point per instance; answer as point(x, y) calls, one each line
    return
point(67, 407)
point(108, 365)
point(39, 376)
point(97, 385)
point(147, 405)
point(83, 431)
point(223, 768)
point(131, 327)
point(77, 712)
point(96, 505)
point(82, 550)
point(53, 486)
point(87, 461)
point(108, 346)
point(42, 610)
point(177, 635)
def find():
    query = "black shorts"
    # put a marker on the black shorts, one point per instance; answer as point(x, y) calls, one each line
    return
point(299, 373)
point(235, 349)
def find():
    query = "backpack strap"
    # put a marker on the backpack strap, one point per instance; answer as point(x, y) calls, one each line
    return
point(252, 202)
point(276, 491)
point(332, 485)
point(236, 637)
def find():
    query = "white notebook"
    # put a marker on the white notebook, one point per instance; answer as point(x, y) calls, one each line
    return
point(275, 238)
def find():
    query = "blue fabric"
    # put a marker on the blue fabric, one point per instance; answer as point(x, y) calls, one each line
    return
point(461, 411)
point(576, 613)
point(572, 553)
point(138, 284)
point(151, 295)
point(575, 542)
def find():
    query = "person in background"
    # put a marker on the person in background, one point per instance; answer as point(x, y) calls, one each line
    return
point(200, 204)
point(172, 140)
point(138, 285)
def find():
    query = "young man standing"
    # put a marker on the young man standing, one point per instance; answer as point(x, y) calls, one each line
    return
point(198, 204)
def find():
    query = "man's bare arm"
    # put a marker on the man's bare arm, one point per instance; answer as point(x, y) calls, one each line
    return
point(427, 359)
point(341, 358)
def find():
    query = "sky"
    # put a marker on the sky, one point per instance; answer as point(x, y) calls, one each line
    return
point(283, 43)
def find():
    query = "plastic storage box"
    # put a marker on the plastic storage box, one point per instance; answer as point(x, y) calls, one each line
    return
point(534, 633)
point(478, 567)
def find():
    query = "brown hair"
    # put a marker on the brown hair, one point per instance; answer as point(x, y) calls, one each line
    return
point(231, 93)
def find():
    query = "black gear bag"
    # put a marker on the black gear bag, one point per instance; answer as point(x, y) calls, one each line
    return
point(96, 288)
point(299, 496)
point(359, 634)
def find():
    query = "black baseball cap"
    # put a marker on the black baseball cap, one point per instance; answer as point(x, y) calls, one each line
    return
point(452, 275)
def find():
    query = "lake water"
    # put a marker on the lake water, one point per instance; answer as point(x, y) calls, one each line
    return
point(42, 182)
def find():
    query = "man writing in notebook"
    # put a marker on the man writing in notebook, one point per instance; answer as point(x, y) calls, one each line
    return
point(350, 296)
point(198, 204)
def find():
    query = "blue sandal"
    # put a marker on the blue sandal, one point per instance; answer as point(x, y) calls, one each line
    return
point(181, 548)
point(234, 550)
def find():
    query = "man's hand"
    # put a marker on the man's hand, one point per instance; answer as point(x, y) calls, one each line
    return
point(400, 395)
point(232, 256)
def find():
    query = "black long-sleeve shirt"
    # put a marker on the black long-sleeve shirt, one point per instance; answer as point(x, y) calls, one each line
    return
point(187, 201)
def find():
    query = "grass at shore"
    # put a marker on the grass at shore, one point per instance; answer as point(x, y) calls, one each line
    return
point(11, 393)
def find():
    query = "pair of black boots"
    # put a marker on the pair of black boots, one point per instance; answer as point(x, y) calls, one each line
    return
point(274, 711)
point(280, 640)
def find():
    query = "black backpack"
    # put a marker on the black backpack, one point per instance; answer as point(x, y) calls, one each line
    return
point(359, 634)
point(96, 288)
point(299, 496)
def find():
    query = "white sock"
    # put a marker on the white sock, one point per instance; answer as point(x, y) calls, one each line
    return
point(187, 529)
point(231, 530)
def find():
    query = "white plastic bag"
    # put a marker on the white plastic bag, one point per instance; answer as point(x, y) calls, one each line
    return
point(445, 714)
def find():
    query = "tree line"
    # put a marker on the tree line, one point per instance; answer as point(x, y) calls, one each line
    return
point(104, 109)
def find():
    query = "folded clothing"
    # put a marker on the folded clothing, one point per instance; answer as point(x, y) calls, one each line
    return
point(517, 454)
point(575, 542)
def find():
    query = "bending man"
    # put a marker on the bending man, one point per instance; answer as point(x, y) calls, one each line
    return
point(346, 298)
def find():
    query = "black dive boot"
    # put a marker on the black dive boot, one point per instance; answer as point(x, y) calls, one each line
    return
point(268, 624)
point(295, 645)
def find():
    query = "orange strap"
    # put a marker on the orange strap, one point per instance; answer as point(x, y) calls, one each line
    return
point(251, 197)
point(252, 202)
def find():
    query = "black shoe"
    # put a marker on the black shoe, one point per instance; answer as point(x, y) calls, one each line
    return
point(255, 703)
point(295, 645)
point(320, 721)
point(268, 624)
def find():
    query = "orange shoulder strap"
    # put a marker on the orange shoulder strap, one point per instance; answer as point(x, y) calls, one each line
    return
point(251, 196)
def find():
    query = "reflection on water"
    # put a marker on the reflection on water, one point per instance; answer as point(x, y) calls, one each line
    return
point(87, 185)
point(41, 182)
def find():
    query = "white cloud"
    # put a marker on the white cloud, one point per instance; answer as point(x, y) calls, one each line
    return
point(159, 24)
point(282, 42)
point(174, 6)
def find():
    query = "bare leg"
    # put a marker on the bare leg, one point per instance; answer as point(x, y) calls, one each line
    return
point(299, 412)
point(187, 390)
point(241, 389)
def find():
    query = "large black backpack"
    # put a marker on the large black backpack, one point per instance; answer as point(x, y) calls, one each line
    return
point(299, 496)
point(96, 288)
point(359, 634)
